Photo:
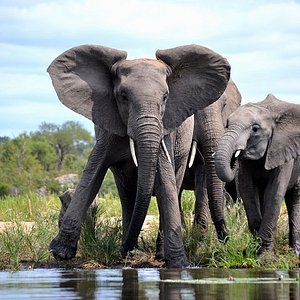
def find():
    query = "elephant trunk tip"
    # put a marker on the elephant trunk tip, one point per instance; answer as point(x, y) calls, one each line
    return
point(226, 169)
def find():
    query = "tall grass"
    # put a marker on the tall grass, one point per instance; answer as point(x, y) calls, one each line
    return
point(102, 234)
point(28, 207)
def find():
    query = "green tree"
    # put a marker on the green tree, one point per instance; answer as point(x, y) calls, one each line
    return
point(31, 161)
point(65, 139)
point(4, 139)
point(44, 153)
point(19, 169)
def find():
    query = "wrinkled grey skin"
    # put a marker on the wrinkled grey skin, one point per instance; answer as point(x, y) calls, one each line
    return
point(90, 220)
point(268, 135)
point(65, 199)
point(209, 127)
point(147, 100)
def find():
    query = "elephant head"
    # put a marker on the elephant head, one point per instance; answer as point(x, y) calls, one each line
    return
point(144, 99)
point(268, 129)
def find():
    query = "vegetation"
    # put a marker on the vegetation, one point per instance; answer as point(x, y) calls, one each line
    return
point(26, 246)
point(33, 161)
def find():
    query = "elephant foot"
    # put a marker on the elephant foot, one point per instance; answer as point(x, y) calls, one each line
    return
point(294, 242)
point(159, 254)
point(267, 256)
point(61, 249)
point(266, 253)
point(179, 262)
point(297, 248)
point(125, 251)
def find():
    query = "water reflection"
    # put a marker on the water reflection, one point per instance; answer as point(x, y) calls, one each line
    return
point(149, 284)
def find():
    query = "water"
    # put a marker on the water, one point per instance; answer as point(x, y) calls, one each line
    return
point(149, 284)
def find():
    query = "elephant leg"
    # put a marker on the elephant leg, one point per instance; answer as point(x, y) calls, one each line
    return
point(202, 213)
point(181, 209)
point(160, 249)
point(168, 204)
point(250, 198)
point(292, 200)
point(127, 198)
point(273, 196)
point(64, 245)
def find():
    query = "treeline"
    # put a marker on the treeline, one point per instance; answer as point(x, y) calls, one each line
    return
point(32, 161)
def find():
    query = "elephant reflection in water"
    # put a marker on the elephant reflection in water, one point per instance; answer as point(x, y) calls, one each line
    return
point(171, 284)
point(143, 115)
point(78, 284)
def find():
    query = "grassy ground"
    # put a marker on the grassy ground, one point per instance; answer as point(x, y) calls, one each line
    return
point(26, 247)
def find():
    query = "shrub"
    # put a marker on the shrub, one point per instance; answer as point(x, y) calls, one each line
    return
point(4, 189)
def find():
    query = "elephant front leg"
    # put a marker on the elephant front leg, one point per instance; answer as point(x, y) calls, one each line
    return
point(126, 181)
point(168, 204)
point(250, 197)
point(273, 195)
point(64, 245)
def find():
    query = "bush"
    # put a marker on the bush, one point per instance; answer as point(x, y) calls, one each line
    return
point(4, 189)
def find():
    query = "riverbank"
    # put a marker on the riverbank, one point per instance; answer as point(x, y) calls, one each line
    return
point(30, 224)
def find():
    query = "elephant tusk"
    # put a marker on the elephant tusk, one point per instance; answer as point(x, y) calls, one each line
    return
point(132, 151)
point(166, 150)
point(237, 153)
point(213, 154)
point(193, 154)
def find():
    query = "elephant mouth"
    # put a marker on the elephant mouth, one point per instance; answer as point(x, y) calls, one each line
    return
point(133, 154)
point(237, 155)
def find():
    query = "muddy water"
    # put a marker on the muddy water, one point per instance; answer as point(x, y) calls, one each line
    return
point(149, 284)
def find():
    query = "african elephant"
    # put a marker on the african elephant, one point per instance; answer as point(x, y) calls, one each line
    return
point(209, 126)
point(265, 138)
point(143, 115)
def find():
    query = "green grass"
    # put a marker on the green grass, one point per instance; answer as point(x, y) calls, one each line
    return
point(112, 206)
point(28, 207)
point(102, 233)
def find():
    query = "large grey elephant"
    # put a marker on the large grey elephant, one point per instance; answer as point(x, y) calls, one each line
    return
point(201, 176)
point(265, 137)
point(143, 107)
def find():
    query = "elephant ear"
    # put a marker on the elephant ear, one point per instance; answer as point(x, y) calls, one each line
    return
point(199, 77)
point(231, 101)
point(82, 80)
point(285, 141)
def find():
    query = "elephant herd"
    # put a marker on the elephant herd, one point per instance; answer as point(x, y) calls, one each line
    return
point(171, 123)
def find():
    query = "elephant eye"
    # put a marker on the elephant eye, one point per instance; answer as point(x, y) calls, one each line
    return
point(255, 128)
point(165, 96)
point(124, 96)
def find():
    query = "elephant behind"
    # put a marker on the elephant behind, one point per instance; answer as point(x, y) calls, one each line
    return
point(265, 138)
point(210, 123)
point(143, 115)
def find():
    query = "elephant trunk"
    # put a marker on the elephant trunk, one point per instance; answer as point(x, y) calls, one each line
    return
point(225, 158)
point(148, 138)
point(212, 130)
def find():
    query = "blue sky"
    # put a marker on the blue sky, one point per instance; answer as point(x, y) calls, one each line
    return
point(260, 39)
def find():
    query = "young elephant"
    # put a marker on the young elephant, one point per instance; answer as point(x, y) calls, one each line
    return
point(143, 107)
point(265, 136)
